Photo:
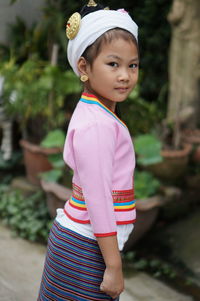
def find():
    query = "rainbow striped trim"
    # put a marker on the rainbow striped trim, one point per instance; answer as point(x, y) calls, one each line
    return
point(92, 99)
point(123, 200)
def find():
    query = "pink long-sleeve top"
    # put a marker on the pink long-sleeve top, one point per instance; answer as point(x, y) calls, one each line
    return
point(99, 150)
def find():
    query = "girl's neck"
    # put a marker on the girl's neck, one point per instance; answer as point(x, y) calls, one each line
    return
point(111, 105)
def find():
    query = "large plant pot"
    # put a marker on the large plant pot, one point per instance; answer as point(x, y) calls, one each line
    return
point(193, 183)
point(174, 163)
point(36, 160)
point(147, 212)
point(193, 137)
point(56, 196)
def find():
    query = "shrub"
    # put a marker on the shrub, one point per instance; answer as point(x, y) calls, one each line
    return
point(26, 215)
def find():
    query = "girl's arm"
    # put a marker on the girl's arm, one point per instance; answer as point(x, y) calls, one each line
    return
point(94, 148)
point(113, 282)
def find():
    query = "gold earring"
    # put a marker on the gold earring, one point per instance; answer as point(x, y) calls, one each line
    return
point(84, 78)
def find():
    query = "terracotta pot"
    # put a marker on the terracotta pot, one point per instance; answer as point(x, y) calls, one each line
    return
point(193, 182)
point(147, 212)
point(36, 159)
point(193, 137)
point(56, 194)
point(196, 154)
point(174, 163)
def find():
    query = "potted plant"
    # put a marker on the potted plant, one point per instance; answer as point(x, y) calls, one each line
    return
point(146, 187)
point(35, 94)
point(165, 162)
point(192, 136)
point(150, 195)
point(56, 182)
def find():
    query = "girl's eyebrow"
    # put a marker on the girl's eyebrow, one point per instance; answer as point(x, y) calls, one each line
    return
point(135, 59)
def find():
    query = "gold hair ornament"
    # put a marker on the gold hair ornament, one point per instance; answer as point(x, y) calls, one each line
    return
point(91, 3)
point(73, 25)
point(84, 78)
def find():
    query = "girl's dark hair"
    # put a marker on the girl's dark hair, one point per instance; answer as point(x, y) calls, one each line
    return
point(85, 10)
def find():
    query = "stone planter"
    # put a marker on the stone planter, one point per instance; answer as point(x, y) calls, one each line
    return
point(56, 195)
point(36, 159)
point(174, 163)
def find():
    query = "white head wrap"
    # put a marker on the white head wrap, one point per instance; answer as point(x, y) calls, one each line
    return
point(93, 26)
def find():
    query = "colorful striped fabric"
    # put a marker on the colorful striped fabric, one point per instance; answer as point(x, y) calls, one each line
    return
point(91, 99)
point(73, 268)
point(123, 200)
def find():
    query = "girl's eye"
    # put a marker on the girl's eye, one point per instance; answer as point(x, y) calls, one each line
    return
point(113, 64)
point(133, 66)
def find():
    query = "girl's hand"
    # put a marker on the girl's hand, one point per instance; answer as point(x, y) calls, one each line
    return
point(113, 282)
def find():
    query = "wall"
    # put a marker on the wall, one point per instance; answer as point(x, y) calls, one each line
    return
point(29, 10)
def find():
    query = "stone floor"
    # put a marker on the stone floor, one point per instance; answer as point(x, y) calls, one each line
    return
point(21, 264)
point(185, 242)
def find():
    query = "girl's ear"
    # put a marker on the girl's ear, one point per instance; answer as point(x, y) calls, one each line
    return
point(82, 66)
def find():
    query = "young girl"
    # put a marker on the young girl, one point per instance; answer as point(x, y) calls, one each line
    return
point(83, 260)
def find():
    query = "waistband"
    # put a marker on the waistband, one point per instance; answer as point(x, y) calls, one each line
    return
point(123, 200)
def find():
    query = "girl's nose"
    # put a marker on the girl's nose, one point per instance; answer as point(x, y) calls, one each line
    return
point(123, 75)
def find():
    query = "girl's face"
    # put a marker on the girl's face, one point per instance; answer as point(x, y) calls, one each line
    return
point(114, 72)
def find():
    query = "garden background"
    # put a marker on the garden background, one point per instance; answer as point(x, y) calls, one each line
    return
point(38, 93)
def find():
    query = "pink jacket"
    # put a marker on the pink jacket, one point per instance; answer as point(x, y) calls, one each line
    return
point(99, 149)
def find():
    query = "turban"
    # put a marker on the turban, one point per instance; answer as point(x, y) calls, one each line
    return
point(94, 25)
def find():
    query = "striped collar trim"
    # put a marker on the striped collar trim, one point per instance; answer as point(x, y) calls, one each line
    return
point(92, 99)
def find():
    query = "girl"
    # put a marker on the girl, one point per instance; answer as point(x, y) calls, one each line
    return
point(83, 260)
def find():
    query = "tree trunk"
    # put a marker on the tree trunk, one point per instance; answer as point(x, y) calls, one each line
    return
point(184, 64)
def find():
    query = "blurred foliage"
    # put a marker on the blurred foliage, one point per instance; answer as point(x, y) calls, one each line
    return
point(155, 266)
point(23, 41)
point(145, 184)
point(37, 89)
point(12, 162)
point(139, 114)
point(146, 105)
point(148, 149)
point(59, 173)
point(154, 35)
point(27, 215)
point(154, 38)
point(55, 138)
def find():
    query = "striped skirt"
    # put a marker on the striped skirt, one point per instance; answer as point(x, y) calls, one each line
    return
point(73, 269)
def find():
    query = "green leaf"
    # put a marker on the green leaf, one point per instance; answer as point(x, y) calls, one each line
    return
point(12, 1)
point(146, 185)
point(55, 138)
point(130, 256)
point(141, 264)
point(148, 149)
point(56, 160)
point(51, 176)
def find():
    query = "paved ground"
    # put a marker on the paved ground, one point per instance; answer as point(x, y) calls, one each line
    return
point(185, 242)
point(21, 264)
